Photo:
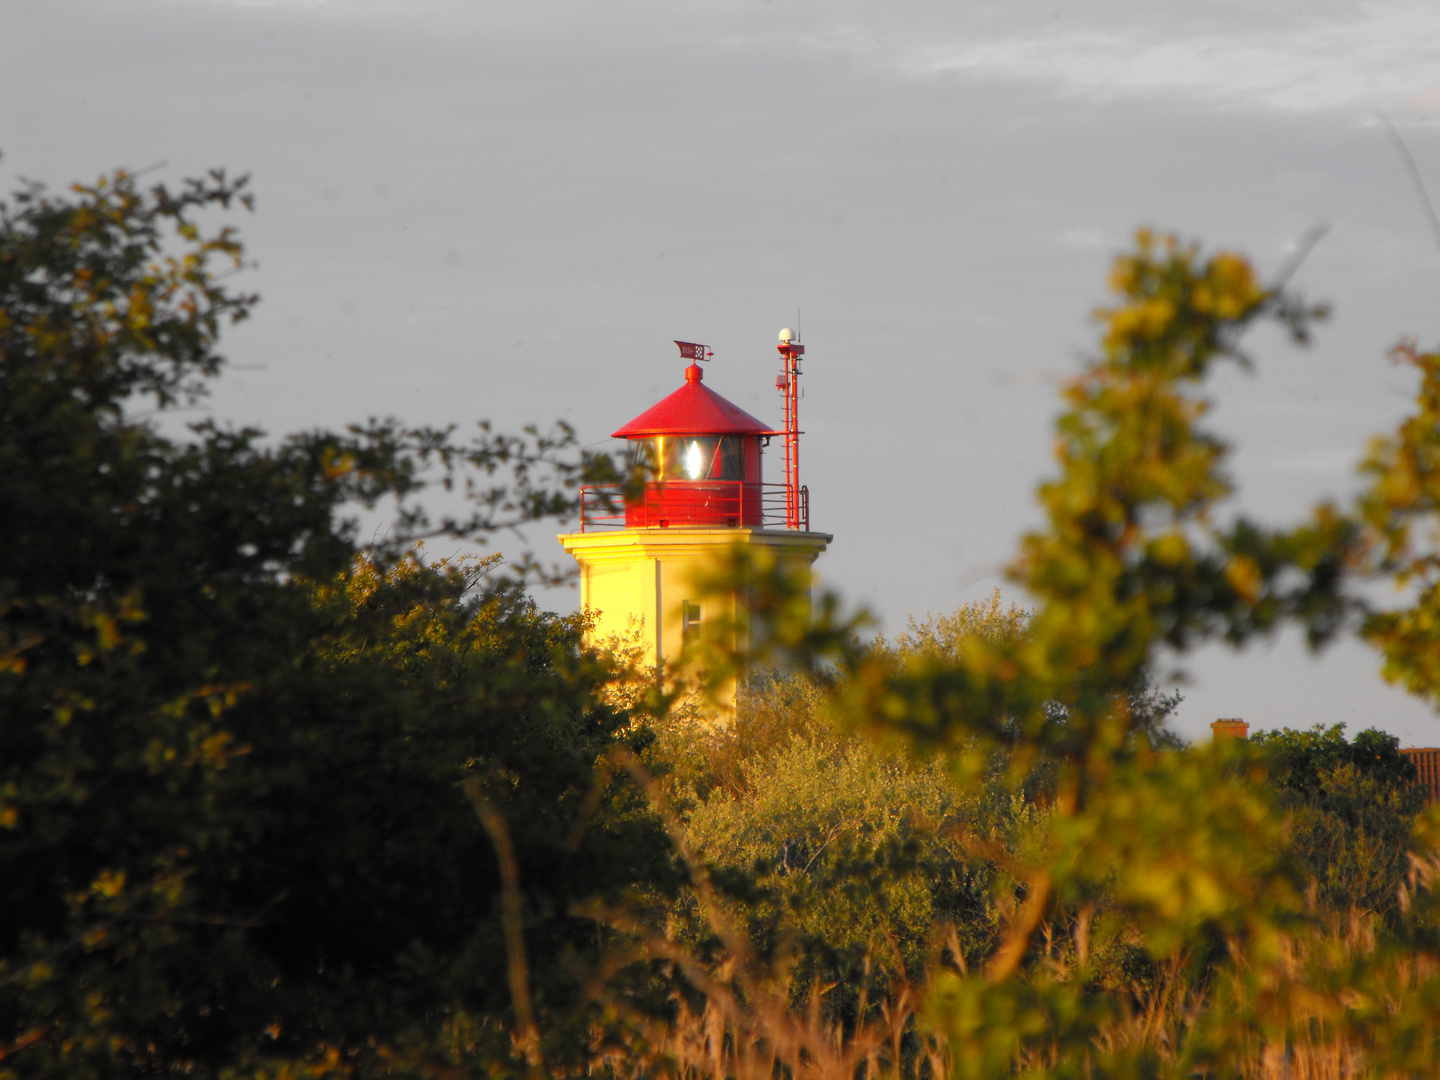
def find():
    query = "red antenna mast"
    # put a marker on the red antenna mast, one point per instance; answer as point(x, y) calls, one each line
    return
point(797, 498)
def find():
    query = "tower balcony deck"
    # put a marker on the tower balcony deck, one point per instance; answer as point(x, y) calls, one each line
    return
point(679, 504)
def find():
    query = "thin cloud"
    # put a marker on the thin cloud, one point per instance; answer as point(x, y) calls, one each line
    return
point(1332, 59)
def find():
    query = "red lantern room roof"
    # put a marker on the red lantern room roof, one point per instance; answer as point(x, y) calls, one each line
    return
point(694, 409)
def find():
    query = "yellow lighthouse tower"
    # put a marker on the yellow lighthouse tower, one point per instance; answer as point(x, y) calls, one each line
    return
point(641, 568)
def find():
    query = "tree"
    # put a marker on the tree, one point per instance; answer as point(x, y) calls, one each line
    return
point(232, 829)
point(1353, 805)
point(849, 862)
point(1185, 861)
point(1175, 852)
point(272, 804)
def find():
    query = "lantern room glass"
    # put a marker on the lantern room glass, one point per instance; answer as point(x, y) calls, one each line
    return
point(690, 457)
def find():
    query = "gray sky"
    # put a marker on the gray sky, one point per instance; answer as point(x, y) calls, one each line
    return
point(495, 210)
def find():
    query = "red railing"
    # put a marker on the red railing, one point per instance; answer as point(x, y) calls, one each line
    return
point(777, 506)
point(676, 504)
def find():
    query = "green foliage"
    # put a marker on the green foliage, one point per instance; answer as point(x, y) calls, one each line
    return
point(1301, 761)
point(1353, 806)
point(701, 756)
point(836, 836)
point(1399, 510)
point(1178, 851)
point(232, 835)
point(945, 635)
point(1124, 565)
point(1164, 919)
point(273, 805)
point(855, 856)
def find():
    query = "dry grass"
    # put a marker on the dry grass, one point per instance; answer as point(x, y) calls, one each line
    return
point(740, 1023)
point(1327, 994)
point(739, 1019)
point(1324, 997)
point(761, 1037)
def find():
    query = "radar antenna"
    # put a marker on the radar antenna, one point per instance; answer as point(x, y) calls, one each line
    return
point(797, 498)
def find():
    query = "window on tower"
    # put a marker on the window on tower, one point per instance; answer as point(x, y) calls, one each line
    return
point(690, 457)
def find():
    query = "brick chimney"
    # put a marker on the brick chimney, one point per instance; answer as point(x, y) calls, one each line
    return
point(1229, 729)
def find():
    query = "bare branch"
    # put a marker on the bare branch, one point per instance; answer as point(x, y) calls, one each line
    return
point(517, 968)
point(1413, 171)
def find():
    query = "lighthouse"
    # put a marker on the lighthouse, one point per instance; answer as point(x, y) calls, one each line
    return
point(642, 559)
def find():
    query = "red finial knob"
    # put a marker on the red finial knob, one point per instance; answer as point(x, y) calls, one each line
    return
point(694, 374)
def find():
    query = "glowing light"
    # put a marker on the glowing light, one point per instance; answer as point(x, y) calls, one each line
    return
point(693, 464)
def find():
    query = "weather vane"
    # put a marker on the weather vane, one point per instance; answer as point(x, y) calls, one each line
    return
point(691, 351)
